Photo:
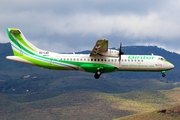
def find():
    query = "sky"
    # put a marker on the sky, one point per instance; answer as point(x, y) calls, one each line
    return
point(75, 25)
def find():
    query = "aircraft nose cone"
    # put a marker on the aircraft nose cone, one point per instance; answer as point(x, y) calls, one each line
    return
point(171, 66)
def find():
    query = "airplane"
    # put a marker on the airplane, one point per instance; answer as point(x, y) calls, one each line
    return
point(100, 60)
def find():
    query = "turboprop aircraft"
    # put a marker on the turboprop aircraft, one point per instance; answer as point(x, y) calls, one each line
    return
point(100, 60)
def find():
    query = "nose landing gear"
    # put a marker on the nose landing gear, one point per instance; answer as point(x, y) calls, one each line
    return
point(163, 73)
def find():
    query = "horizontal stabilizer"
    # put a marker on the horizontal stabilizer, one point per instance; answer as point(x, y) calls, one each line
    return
point(17, 59)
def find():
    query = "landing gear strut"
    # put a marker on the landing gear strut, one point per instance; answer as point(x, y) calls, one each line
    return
point(98, 73)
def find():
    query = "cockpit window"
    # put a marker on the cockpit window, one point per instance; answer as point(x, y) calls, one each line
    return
point(161, 58)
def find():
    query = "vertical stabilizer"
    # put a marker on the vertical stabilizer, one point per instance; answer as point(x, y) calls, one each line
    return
point(20, 45)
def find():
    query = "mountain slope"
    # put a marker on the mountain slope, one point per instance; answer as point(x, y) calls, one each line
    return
point(29, 92)
point(172, 113)
point(85, 104)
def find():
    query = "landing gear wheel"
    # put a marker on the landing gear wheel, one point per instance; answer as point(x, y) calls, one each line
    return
point(96, 76)
point(98, 73)
point(163, 74)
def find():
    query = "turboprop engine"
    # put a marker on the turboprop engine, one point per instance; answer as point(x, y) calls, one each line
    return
point(111, 53)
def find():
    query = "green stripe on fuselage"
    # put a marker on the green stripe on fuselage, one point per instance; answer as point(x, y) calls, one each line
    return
point(92, 67)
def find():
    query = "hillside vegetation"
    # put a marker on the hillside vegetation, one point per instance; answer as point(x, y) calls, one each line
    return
point(85, 104)
point(32, 93)
point(172, 113)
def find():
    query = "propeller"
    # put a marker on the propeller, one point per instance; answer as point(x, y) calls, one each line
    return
point(120, 52)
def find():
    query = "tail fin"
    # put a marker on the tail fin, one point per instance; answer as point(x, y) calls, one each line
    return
point(19, 43)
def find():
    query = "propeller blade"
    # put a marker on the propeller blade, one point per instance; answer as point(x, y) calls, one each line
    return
point(121, 49)
point(120, 52)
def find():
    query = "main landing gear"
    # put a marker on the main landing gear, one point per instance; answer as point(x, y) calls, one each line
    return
point(98, 73)
point(163, 73)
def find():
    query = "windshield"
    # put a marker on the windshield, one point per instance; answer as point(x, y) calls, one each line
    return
point(161, 58)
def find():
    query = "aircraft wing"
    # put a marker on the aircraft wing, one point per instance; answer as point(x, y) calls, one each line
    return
point(101, 46)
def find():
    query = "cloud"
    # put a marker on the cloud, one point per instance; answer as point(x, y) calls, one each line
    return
point(3, 39)
point(80, 23)
point(135, 26)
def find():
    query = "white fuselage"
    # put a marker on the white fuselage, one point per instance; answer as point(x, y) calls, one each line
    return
point(127, 62)
point(100, 60)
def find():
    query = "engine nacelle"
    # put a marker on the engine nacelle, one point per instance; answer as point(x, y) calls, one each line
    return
point(111, 53)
